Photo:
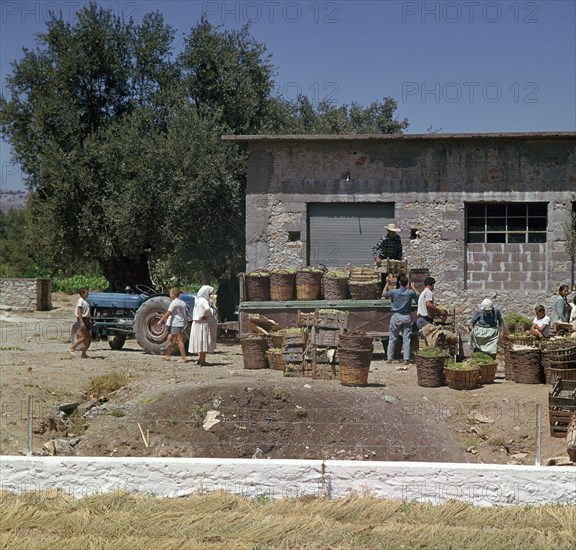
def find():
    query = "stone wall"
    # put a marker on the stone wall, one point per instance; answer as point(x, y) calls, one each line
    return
point(429, 179)
point(26, 294)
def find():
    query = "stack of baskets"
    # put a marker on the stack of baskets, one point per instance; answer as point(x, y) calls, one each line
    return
point(254, 347)
point(559, 360)
point(355, 356)
point(509, 343)
point(526, 365)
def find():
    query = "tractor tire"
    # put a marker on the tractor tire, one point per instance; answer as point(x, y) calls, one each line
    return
point(152, 337)
point(117, 342)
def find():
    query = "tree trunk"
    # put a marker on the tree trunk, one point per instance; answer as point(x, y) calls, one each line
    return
point(122, 272)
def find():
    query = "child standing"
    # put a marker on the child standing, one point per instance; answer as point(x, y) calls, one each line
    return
point(84, 323)
point(175, 319)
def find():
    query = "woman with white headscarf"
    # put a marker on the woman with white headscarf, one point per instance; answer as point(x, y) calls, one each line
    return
point(204, 325)
point(486, 328)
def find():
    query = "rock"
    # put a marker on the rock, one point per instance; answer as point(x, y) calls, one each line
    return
point(558, 461)
point(472, 449)
point(390, 399)
point(519, 456)
point(475, 416)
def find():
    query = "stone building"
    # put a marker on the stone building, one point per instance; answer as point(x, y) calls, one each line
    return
point(488, 214)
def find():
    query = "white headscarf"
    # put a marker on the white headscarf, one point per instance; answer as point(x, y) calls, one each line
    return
point(487, 304)
point(202, 303)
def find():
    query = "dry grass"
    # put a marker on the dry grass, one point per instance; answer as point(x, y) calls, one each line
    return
point(53, 520)
point(105, 384)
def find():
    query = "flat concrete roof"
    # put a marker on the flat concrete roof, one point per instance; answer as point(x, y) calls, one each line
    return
point(395, 137)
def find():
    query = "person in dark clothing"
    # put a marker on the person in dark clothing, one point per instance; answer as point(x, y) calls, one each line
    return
point(389, 246)
point(225, 301)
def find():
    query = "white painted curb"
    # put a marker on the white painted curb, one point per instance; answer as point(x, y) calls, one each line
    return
point(435, 482)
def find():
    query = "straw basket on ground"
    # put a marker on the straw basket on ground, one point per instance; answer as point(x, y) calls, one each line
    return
point(460, 376)
point(254, 349)
point(526, 364)
point(282, 285)
point(335, 285)
point(430, 367)
point(487, 372)
point(308, 283)
point(355, 356)
point(276, 359)
point(258, 286)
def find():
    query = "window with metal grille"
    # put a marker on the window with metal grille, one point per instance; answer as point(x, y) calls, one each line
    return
point(512, 222)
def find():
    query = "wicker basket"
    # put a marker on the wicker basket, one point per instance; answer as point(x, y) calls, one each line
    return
point(462, 379)
point(277, 338)
point(282, 286)
point(363, 290)
point(258, 286)
point(527, 366)
point(335, 288)
point(308, 284)
point(487, 372)
point(254, 351)
point(276, 359)
point(430, 371)
point(553, 375)
point(560, 353)
point(508, 365)
point(521, 339)
point(354, 356)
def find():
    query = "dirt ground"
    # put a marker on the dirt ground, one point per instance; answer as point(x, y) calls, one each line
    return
point(163, 409)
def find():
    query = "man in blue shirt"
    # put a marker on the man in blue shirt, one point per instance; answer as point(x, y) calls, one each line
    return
point(401, 320)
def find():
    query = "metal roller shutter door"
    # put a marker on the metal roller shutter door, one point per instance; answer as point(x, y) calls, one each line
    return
point(343, 233)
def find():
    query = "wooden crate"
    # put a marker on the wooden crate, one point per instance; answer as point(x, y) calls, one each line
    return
point(326, 338)
point(293, 353)
point(331, 320)
point(319, 355)
point(292, 370)
point(560, 419)
point(320, 371)
point(563, 394)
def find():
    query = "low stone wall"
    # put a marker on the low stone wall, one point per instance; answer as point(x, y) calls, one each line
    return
point(26, 294)
point(478, 484)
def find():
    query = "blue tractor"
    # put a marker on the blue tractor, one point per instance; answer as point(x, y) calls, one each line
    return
point(119, 315)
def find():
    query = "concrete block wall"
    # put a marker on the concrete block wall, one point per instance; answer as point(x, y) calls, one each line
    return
point(478, 484)
point(26, 294)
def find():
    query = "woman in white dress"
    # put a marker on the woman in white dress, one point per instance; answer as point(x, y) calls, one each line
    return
point(204, 325)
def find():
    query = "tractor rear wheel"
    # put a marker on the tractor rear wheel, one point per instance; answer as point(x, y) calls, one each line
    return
point(151, 336)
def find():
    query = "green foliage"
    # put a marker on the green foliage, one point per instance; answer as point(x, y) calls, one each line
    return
point(517, 322)
point(71, 285)
point(121, 144)
point(432, 352)
point(461, 366)
point(479, 357)
point(302, 117)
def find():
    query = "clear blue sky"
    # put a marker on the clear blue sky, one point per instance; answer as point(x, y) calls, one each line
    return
point(453, 66)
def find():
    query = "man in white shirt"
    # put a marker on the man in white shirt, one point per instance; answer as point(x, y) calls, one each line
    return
point(426, 307)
